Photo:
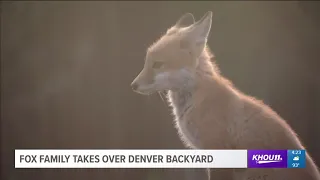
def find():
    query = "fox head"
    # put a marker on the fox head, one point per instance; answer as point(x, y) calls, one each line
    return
point(170, 63)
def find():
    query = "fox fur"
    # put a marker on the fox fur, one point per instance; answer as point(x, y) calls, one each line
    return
point(210, 113)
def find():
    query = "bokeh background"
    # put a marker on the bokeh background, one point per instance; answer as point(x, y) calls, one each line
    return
point(66, 69)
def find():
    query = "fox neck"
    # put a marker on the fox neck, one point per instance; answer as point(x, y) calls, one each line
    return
point(181, 100)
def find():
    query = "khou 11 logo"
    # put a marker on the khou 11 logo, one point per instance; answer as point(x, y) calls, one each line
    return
point(267, 158)
point(276, 159)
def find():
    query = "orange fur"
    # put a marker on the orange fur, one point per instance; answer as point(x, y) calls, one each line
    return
point(210, 113)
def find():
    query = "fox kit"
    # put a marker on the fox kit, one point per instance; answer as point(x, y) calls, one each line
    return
point(210, 113)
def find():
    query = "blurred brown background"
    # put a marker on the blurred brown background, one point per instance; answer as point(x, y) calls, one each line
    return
point(66, 69)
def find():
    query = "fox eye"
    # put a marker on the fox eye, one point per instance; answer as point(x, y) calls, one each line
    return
point(157, 65)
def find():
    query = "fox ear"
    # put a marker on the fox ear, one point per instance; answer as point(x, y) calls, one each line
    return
point(185, 20)
point(201, 29)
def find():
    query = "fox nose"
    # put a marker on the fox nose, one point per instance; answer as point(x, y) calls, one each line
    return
point(134, 86)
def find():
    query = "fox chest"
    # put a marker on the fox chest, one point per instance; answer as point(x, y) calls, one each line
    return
point(188, 132)
point(188, 128)
point(197, 125)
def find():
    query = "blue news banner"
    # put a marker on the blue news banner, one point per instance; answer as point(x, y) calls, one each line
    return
point(276, 158)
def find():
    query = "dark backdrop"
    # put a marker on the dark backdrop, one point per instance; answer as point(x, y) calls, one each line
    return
point(66, 69)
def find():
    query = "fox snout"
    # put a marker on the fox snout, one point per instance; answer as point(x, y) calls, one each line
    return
point(149, 82)
point(134, 86)
point(143, 83)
